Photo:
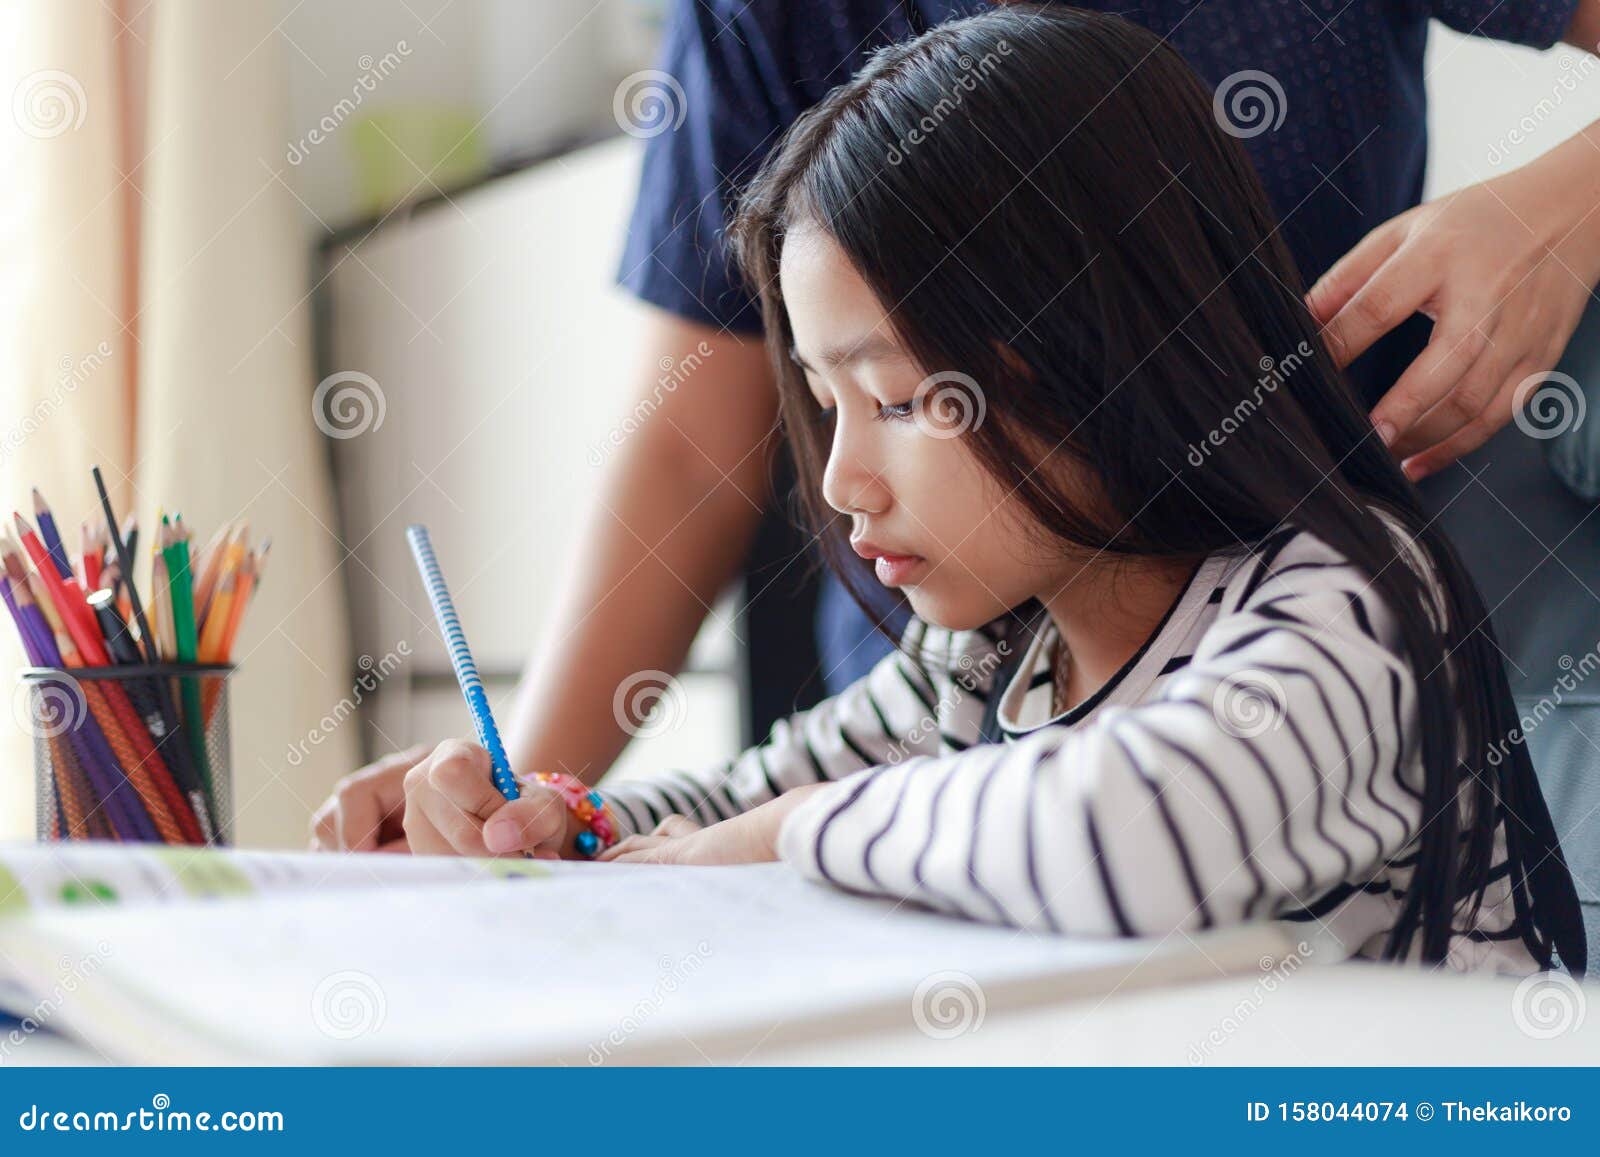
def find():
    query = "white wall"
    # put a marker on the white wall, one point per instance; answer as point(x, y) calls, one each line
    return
point(1494, 107)
point(527, 73)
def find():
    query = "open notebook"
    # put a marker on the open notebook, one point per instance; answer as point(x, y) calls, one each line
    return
point(163, 955)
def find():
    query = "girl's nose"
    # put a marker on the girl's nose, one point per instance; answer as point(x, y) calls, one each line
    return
point(851, 484)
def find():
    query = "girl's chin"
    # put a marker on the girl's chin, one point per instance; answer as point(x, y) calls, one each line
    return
point(951, 614)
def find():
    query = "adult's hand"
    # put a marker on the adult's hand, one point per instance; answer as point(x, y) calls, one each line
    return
point(1504, 269)
point(366, 810)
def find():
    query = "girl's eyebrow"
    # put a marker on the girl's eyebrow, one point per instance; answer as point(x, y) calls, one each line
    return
point(874, 345)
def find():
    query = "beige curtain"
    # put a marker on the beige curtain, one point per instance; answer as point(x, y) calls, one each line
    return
point(199, 287)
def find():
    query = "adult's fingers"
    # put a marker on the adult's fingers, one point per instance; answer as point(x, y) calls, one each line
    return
point(1468, 398)
point(1475, 433)
point(352, 817)
point(1344, 277)
point(324, 836)
point(1397, 289)
point(357, 814)
point(1456, 352)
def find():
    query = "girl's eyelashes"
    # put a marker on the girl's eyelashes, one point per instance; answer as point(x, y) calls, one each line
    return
point(899, 412)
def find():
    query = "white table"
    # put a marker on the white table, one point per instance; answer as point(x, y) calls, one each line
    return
point(1347, 1014)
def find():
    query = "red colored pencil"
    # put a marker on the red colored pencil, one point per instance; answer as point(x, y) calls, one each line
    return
point(68, 597)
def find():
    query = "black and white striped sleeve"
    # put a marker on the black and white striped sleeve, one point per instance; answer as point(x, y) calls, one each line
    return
point(1276, 765)
point(889, 715)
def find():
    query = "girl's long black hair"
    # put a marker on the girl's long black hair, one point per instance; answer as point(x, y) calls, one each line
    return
point(1045, 200)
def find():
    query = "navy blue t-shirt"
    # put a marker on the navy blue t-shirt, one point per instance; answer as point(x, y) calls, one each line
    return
point(1347, 155)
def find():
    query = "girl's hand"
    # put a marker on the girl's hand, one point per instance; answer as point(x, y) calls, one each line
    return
point(1503, 268)
point(453, 808)
point(679, 840)
point(748, 838)
point(363, 814)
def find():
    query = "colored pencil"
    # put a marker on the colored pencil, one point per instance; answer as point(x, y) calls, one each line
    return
point(64, 591)
point(96, 755)
point(176, 549)
point(444, 611)
point(210, 562)
point(193, 782)
point(133, 767)
point(216, 624)
point(51, 535)
point(91, 556)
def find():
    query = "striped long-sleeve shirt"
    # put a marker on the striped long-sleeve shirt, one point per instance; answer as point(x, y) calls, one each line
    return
point(1257, 758)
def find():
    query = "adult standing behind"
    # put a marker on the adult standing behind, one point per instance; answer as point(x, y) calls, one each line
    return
point(1441, 310)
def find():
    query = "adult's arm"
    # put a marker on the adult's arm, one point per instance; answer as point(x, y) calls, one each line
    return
point(676, 508)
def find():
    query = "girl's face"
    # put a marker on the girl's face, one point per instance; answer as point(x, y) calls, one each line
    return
point(939, 526)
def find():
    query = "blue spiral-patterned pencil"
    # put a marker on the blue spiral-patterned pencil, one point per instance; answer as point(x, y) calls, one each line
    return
point(444, 609)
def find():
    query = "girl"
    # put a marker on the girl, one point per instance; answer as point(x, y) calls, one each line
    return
point(1185, 653)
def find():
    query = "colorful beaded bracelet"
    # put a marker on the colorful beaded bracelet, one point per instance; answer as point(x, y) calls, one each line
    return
point(600, 827)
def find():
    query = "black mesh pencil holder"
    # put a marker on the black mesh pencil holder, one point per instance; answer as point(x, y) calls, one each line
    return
point(133, 752)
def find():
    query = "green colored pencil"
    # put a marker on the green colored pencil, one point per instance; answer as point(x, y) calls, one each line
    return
point(175, 549)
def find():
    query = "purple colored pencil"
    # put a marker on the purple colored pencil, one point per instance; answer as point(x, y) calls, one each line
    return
point(30, 638)
point(110, 782)
point(33, 645)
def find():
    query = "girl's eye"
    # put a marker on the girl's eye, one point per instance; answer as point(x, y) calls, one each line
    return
point(896, 413)
point(826, 413)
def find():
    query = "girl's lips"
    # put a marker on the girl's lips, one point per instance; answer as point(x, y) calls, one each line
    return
point(895, 570)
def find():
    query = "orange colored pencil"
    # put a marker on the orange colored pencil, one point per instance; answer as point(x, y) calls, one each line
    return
point(221, 556)
point(217, 619)
point(241, 599)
